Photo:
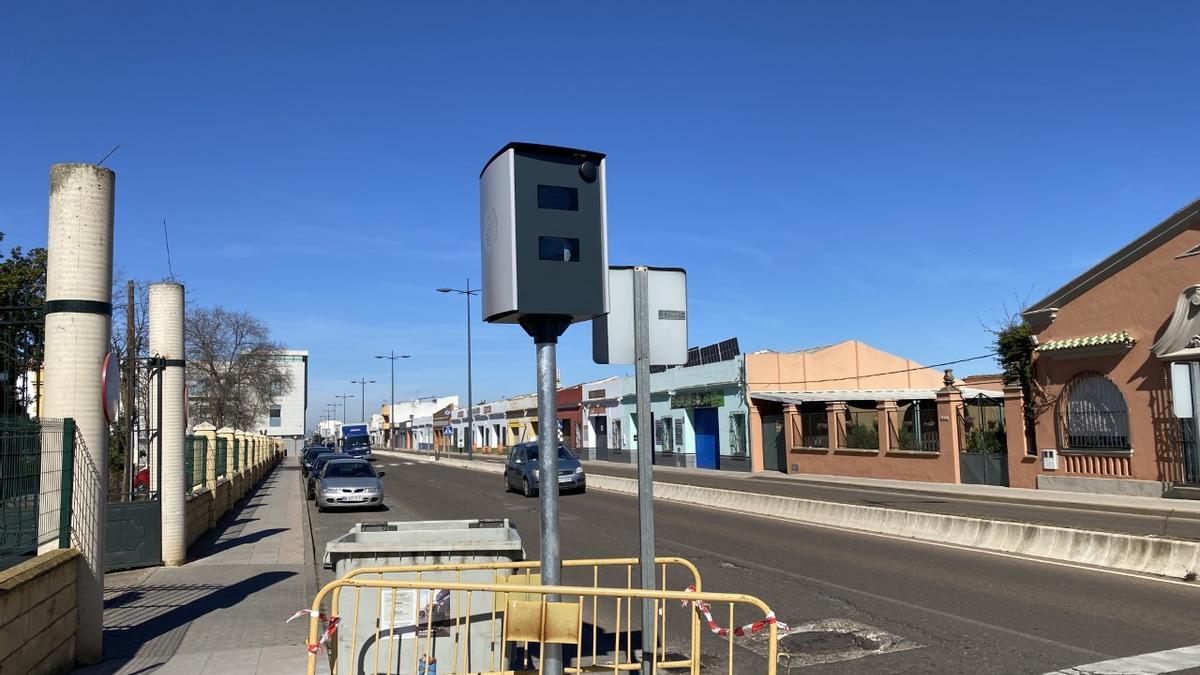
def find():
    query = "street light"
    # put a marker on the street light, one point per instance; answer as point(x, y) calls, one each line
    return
point(392, 356)
point(344, 397)
point(470, 418)
point(364, 382)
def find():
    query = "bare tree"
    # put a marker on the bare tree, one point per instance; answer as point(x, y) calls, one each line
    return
point(233, 367)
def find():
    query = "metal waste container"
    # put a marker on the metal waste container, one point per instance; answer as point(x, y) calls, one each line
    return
point(388, 626)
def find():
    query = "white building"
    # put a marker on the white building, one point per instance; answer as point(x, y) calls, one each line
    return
point(286, 414)
point(602, 415)
point(328, 429)
point(407, 411)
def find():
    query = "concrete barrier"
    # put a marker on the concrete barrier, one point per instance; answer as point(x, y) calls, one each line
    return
point(1110, 550)
point(38, 613)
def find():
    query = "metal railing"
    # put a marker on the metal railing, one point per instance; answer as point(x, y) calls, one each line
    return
point(222, 457)
point(496, 618)
point(36, 484)
point(195, 454)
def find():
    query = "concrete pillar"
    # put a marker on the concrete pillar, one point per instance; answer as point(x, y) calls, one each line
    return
point(78, 335)
point(1014, 421)
point(886, 421)
point(755, 434)
point(791, 425)
point(166, 343)
point(949, 402)
point(835, 420)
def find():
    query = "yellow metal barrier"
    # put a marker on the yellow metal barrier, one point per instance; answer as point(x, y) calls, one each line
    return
point(519, 616)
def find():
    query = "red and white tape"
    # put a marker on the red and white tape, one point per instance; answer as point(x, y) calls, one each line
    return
point(740, 631)
point(330, 628)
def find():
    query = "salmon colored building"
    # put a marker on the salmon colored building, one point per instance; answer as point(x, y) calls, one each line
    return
point(849, 409)
point(1102, 404)
point(570, 415)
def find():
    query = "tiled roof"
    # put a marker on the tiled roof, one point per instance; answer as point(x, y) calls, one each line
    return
point(1122, 338)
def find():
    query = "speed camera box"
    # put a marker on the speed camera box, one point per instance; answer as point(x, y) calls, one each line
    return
point(544, 234)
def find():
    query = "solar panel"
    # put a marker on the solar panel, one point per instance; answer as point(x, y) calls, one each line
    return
point(726, 350)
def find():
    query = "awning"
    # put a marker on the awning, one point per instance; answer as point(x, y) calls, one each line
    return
point(828, 395)
point(1181, 340)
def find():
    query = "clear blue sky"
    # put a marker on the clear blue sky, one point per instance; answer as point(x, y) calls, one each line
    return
point(892, 172)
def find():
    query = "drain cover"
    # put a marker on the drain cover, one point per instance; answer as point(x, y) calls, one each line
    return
point(827, 641)
point(818, 641)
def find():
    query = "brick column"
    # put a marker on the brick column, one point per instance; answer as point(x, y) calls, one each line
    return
point(835, 419)
point(755, 436)
point(949, 402)
point(885, 412)
point(791, 419)
point(1014, 420)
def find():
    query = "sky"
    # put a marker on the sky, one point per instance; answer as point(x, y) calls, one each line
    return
point(904, 174)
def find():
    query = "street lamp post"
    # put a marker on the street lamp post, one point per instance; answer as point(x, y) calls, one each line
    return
point(344, 397)
point(470, 403)
point(362, 416)
point(392, 356)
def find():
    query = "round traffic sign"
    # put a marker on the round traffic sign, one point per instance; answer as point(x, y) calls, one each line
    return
point(110, 387)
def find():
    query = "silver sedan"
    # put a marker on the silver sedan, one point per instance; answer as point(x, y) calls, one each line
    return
point(349, 483)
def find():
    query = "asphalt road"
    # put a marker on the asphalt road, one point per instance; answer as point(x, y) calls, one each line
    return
point(1175, 526)
point(967, 611)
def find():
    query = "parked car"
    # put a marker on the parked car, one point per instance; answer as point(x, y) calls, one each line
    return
point(521, 470)
point(314, 471)
point(141, 481)
point(310, 456)
point(348, 483)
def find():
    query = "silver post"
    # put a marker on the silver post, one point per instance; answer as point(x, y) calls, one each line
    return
point(548, 488)
point(645, 453)
point(470, 416)
point(392, 404)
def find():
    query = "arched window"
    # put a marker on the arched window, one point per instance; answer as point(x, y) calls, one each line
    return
point(1095, 414)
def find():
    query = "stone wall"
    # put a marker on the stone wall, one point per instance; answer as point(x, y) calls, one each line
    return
point(38, 614)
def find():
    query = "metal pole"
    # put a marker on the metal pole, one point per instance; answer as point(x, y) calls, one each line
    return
point(67, 484)
point(470, 402)
point(131, 354)
point(362, 413)
point(392, 404)
point(645, 453)
point(1195, 373)
point(548, 487)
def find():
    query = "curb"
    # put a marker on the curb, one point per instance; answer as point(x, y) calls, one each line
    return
point(1126, 552)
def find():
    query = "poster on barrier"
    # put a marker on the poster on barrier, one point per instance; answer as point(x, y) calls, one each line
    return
point(416, 611)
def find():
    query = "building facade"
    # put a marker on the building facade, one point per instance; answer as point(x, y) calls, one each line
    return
point(699, 417)
point(286, 414)
point(601, 416)
point(569, 416)
point(1103, 403)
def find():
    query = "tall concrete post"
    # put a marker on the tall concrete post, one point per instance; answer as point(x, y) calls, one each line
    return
point(166, 345)
point(78, 335)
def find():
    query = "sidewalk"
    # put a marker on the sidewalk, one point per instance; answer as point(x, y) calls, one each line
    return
point(224, 611)
point(1174, 518)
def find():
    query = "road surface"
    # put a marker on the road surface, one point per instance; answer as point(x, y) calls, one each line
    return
point(959, 610)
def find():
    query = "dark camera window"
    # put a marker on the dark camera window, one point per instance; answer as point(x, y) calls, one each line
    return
point(558, 249)
point(555, 197)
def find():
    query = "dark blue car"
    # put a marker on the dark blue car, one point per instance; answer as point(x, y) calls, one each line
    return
point(522, 472)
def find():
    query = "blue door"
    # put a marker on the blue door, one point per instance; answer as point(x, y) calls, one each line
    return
point(707, 433)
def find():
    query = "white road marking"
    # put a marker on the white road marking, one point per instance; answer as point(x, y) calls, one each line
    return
point(1169, 661)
